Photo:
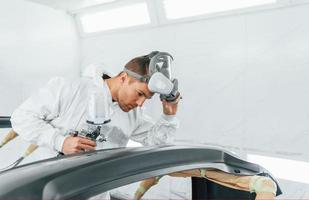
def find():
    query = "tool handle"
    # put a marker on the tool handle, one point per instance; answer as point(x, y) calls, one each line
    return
point(30, 149)
point(9, 136)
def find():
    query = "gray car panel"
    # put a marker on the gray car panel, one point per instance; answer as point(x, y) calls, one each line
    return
point(87, 174)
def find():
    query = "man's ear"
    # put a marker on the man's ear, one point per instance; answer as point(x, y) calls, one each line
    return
point(123, 76)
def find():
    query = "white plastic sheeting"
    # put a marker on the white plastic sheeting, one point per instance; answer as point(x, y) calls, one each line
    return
point(36, 43)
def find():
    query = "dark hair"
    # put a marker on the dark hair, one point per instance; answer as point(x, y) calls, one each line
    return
point(140, 65)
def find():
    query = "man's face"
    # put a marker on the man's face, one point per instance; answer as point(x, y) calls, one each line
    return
point(132, 93)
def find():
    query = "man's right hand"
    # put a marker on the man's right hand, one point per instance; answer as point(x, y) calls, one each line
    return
point(73, 144)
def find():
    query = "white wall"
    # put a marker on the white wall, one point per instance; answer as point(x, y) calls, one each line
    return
point(36, 43)
point(244, 78)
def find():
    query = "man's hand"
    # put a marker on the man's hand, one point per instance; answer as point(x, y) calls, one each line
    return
point(170, 108)
point(73, 144)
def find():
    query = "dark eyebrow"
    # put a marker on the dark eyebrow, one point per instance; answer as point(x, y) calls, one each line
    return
point(144, 94)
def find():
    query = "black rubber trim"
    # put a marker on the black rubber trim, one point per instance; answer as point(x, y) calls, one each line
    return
point(5, 122)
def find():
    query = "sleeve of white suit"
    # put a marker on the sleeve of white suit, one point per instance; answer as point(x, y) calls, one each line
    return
point(31, 119)
point(149, 132)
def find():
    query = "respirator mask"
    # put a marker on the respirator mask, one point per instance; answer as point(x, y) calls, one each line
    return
point(159, 77)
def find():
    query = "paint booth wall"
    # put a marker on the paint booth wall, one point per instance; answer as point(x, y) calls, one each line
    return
point(244, 79)
point(36, 43)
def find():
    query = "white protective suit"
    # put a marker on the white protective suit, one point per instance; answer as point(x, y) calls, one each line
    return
point(61, 105)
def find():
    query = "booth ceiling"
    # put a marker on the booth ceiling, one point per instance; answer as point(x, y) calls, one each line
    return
point(71, 5)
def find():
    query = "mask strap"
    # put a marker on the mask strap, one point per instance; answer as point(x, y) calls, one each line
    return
point(136, 75)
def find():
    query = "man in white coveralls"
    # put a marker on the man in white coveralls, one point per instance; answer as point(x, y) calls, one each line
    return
point(50, 114)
